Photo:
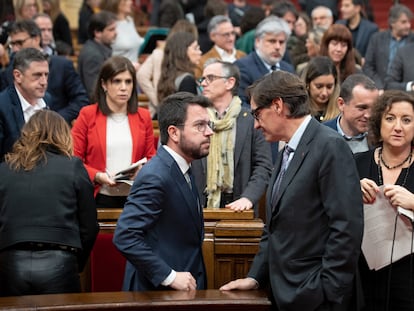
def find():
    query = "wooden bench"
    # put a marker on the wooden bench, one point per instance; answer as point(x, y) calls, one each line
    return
point(204, 300)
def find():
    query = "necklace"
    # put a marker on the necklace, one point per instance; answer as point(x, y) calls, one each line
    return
point(380, 160)
point(118, 117)
point(408, 158)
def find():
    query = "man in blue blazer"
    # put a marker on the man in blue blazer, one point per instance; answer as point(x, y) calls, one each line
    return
point(314, 218)
point(161, 230)
point(270, 45)
point(68, 95)
point(24, 97)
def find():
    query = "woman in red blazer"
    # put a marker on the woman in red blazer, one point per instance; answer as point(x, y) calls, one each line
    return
point(113, 133)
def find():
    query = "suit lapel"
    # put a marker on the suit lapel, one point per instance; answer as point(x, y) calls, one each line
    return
point(242, 126)
point(100, 131)
point(17, 109)
point(298, 158)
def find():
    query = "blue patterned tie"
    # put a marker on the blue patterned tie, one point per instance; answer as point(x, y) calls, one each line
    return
point(283, 167)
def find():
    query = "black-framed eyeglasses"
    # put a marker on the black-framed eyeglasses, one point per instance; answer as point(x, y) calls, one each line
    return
point(210, 78)
point(18, 42)
point(256, 112)
point(201, 126)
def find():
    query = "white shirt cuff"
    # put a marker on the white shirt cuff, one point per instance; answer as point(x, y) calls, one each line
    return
point(409, 85)
point(170, 278)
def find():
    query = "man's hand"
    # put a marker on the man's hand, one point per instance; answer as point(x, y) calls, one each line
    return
point(243, 284)
point(184, 281)
point(242, 204)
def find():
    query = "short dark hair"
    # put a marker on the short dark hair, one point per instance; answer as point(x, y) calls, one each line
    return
point(110, 68)
point(26, 25)
point(381, 106)
point(173, 111)
point(281, 8)
point(99, 21)
point(285, 85)
point(351, 82)
point(25, 57)
point(396, 11)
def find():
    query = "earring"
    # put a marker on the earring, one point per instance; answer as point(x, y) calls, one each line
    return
point(105, 91)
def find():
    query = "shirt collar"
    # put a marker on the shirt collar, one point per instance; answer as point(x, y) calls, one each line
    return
point(360, 136)
point(226, 56)
point(294, 141)
point(182, 163)
point(40, 104)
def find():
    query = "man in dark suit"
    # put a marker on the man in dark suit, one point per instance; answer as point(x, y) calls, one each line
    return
point(358, 95)
point(102, 33)
point(384, 44)
point(24, 97)
point(64, 85)
point(270, 45)
point(361, 28)
point(236, 172)
point(314, 220)
point(161, 229)
point(400, 76)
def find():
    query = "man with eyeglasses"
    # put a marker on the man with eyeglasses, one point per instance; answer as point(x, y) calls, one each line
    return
point(235, 173)
point(64, 84)
point(223, 35)
point(309, 250)
point(24, 97)
point(161, 229)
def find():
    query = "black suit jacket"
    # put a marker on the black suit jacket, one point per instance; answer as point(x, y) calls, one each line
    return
point(311, 242)
point(68, 95)
point(11, 119)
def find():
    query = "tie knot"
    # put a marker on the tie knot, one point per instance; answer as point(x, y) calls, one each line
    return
point(189, 172)
point(275, 67)
point(288, 150)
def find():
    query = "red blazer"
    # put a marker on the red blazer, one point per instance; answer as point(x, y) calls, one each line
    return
point(89, 138)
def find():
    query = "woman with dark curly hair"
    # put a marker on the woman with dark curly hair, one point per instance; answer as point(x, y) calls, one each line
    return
point(388, 171)
point(181, 55)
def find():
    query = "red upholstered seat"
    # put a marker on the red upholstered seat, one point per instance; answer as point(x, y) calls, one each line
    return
point(107, 265)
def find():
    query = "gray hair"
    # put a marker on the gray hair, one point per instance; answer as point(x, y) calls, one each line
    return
point(217, 20)
point(327, 10)
point(229, 70)
point(272, 25)
point(396, 11)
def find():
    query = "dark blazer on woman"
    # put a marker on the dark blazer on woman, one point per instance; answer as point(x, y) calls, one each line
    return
point(53, 203)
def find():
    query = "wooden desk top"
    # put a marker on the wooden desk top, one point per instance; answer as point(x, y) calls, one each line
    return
point(157, 300)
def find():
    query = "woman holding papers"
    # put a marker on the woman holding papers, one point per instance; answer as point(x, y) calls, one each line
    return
point(387, 183)
point(113, 133)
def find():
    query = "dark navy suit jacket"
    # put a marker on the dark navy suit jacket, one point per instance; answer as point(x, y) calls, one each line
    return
point(251, 69)
point(160, 228)
point(68, 95)
point(11, 119)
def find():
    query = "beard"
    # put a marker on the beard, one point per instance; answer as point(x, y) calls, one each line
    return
point(193, 150)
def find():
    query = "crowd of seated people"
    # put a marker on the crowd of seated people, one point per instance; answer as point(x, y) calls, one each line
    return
point(92, 80)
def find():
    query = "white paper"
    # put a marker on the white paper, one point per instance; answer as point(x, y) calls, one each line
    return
point(379, 219)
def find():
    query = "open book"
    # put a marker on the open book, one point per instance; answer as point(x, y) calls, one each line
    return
point(127, 173)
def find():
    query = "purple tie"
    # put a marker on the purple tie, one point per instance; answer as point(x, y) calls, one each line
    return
point(275, 193)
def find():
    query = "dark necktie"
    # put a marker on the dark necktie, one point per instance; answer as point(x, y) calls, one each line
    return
point(275, 192)
point(275, 67)
point(192, 185)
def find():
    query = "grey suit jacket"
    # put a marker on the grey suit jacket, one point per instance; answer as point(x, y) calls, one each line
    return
point(252, 163)
point(402, 69)
point(310, 246)
point(377, 57)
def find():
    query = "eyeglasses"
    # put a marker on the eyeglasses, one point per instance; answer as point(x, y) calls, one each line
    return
point(201, 126)
point(18, 42)
point(210, 78)
point(256, 113)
